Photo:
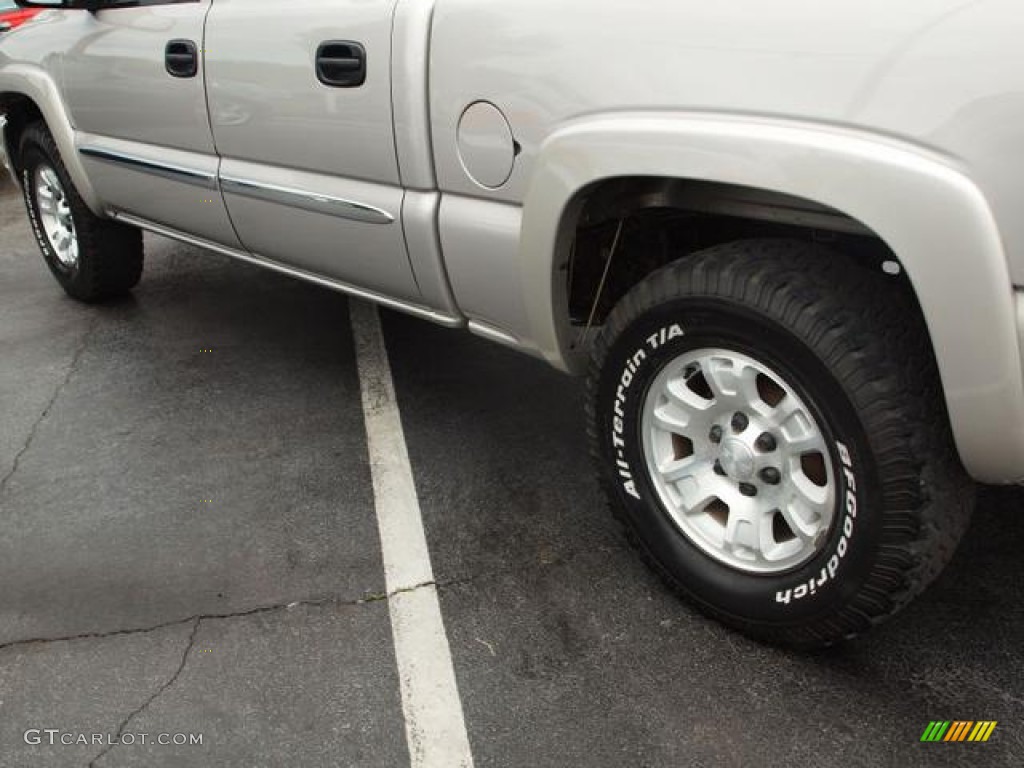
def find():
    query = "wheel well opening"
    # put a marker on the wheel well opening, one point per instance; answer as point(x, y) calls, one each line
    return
point(627, 228)
point(20, 112)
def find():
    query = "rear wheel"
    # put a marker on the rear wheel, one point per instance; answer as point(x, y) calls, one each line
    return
point(92, 258)
point(767, 421)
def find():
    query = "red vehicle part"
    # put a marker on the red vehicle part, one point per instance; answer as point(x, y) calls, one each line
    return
point(11, 16)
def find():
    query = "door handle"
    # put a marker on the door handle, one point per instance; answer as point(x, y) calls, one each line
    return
point(181, 58)
point(341, 64)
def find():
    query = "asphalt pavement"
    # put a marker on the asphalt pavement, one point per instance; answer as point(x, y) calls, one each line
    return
point(189, 545)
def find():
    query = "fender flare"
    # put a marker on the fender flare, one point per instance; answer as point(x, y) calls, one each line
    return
point(920, 203)
point(37, 85)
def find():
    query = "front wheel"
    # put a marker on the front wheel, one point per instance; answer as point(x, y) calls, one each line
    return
point(92, 258)
point(767, 422)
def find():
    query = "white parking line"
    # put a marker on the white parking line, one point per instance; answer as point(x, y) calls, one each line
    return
point(434, 726)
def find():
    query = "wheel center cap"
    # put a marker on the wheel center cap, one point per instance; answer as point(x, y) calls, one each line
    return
point(737, 459)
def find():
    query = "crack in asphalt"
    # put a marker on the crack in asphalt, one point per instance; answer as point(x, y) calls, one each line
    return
point(366, 599)
point(197, 622)
point(200, 617)
point(159, 692)
point(30, 438)
point(380, 596)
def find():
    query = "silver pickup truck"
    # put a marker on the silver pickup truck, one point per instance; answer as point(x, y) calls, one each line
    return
point(783, 240)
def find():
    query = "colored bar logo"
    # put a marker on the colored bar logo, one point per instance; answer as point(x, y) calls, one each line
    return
point(959, 730)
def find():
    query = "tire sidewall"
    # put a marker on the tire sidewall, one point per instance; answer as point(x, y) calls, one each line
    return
point(639, 353)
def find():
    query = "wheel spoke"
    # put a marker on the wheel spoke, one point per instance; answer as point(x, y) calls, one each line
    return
point(789, 415)
point(722, 377)
point(742, 534)
point(810, 442)
point(799, 433)
point(814, 495)
point(672, 416)
point(771, 550)
point(799, 518)
point(678, 391)
point(699, 489)
point(51, 181)
point(681, 469)
point(748, 389)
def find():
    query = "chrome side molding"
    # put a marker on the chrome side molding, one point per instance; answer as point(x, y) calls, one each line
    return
point(163, 169)
point(272, 193)
point(310, 201)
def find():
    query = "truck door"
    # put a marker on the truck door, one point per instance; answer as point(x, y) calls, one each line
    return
point(300, 104)
point(134, 88)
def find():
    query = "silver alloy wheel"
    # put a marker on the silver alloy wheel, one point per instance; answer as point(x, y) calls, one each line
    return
point(738, 461)
point(55, 216)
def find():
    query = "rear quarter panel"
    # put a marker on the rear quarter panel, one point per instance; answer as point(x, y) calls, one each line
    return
point(947, 75)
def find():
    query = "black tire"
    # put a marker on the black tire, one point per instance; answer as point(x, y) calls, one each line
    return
point(110, 254)
point(851, 345)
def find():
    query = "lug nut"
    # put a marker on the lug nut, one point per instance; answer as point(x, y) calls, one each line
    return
point(716, 434)
point(766, 443)
point(740, 421)
point(719, 470)
point(748, 490)
point(771, 475)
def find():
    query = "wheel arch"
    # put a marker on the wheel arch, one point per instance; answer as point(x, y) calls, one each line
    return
point(29, 93)
point(920, 204)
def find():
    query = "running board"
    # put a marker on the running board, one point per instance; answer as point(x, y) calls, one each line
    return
point(450, 321)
